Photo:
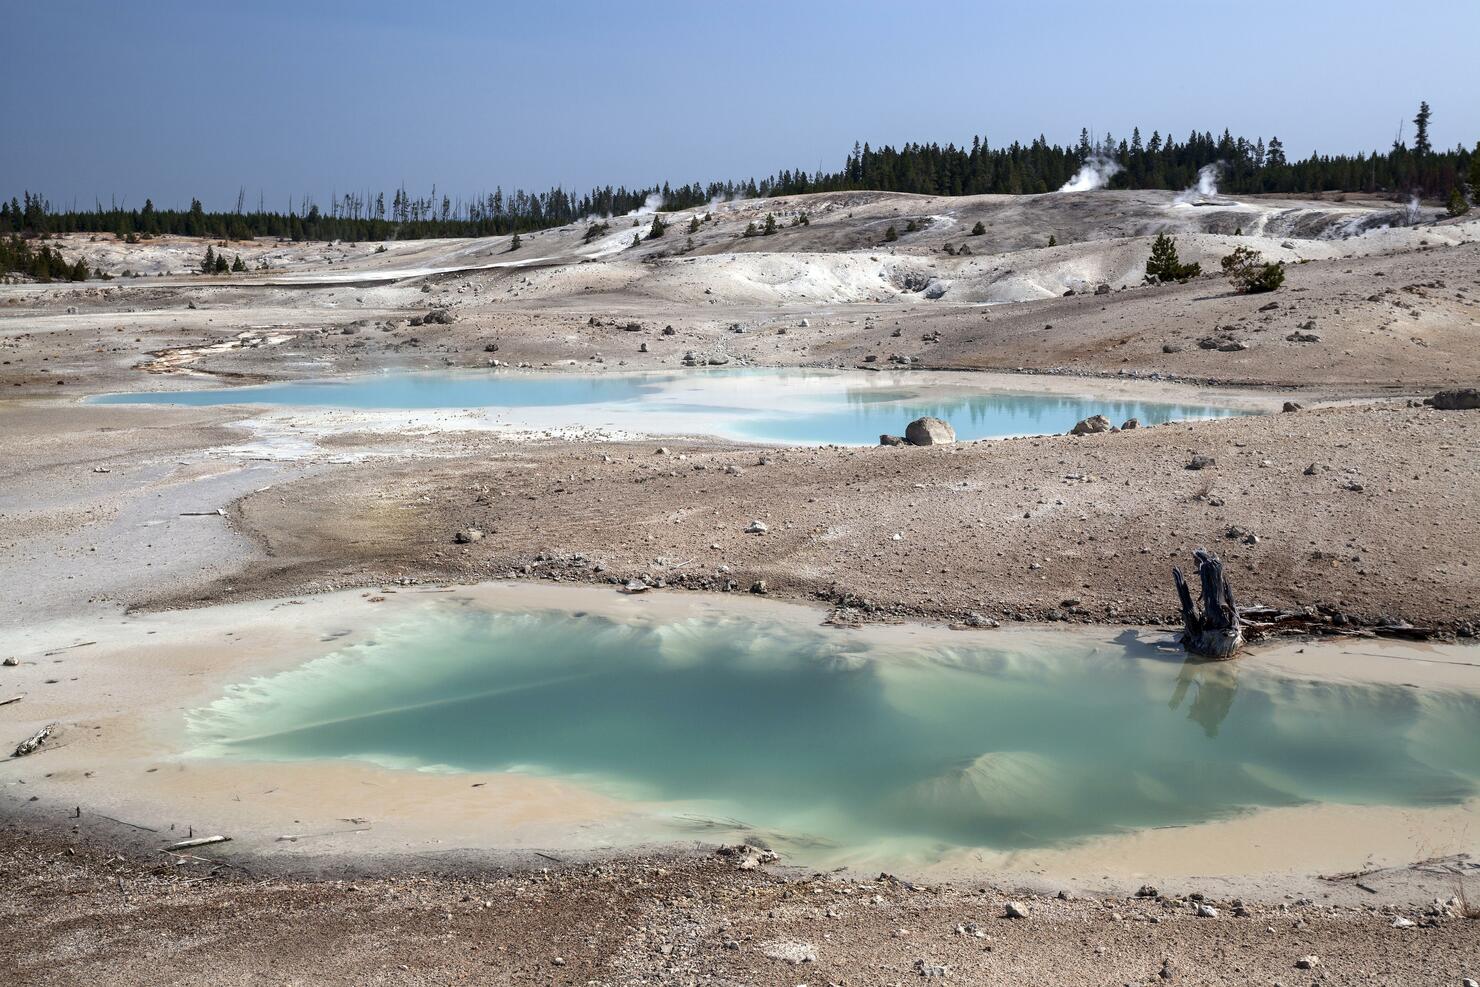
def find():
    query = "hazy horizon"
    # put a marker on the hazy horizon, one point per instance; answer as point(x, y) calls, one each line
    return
point(173, 102)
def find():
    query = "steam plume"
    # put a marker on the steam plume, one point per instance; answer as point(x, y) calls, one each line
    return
point(1206, 185)
point(1096, 172)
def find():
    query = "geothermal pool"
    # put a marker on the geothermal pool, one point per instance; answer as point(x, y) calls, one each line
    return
point(836, 745)
point(779, 406)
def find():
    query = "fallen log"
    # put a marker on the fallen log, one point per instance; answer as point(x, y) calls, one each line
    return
point(195, 842)
point(33, 743)
point(1214, 630)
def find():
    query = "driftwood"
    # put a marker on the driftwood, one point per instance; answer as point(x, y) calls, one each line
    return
point(33, 743)
point(1213, 632)
point(195, 842)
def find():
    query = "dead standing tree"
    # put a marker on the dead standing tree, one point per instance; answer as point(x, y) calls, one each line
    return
point(1215, 632)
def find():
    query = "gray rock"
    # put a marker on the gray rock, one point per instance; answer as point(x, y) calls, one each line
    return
point(1201, 462)
point(927, 969)
point(929, 432)
point(1092, 425)
point(788, 951)
point(1130, 423)
point(1307, 962)
point(1456, 399)
point(1171, 348)
point(1102, 289)
point(642, 347)
point(891, 440)
point(467, 536)
point(1206, 911)
point(757, 527)
point(1292, 406)
point(1015, 909)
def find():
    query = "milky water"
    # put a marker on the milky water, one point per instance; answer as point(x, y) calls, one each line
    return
point(784, 406)
point(841, 743)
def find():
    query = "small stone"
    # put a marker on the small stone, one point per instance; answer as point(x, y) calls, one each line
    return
point(891, 440)
point(1307, 962)
point(1015, 909)
point(795, 953)
point(1201, 462)
point(1399, 922)
point(1171, 348)
point(11, 662)
point(1291, 406)
point(467, 536)
point(1148, 891)
point(1206, 911)
point(757, 527)
point(758, 587)
point(928, 970)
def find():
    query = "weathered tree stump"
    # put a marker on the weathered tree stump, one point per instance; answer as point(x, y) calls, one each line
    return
point(1215, 631)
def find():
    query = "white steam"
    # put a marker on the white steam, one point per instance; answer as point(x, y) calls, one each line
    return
point(1414, 211)
point(650, 205)
point(1096, 172)
point(1205, 187)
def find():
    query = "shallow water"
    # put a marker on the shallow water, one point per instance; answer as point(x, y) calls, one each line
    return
point(803, 407)
point(836, 744)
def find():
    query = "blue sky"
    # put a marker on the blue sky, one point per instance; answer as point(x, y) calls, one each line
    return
point(173, 99)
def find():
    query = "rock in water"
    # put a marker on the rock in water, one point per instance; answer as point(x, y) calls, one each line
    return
point(1457, 399)
point(929, 432)
point(1091, 426)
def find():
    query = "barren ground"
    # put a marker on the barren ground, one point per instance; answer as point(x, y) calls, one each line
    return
point(104, 508)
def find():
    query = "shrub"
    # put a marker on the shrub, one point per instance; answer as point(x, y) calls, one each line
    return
point(911, 226)
point(514, 243)
point(891, 234)
point(978, 229)
point(1249, 272)
point(1164, 265)
point(1458, 204)
point(1053, 241)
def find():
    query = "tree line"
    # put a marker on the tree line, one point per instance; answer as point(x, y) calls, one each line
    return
point(1156, 161)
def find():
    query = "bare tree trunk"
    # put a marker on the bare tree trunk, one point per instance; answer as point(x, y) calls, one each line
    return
point(1215, 632)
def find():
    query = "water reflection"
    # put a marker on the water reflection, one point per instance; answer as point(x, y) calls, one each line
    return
point(1215, 683)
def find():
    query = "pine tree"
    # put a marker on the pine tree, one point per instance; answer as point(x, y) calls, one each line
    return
point(1250, 274)
point(658, 228)
point(221, 266)
point(1053, 241)
point(693, 225)
point(1164, 265)
point(514, 243)
point(1421, 130)
point(238, 266)
point(208, 263)
point(770, 227)
point(1458, 204)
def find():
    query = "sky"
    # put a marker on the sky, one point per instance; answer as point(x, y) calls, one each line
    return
point(115, 101)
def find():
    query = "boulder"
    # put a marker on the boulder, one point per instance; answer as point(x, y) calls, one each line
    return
point(929, 432)
point(1292, 406)
point(891, 440)
point(1457, 399)
point(1130, 423)
point(1091, 426)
